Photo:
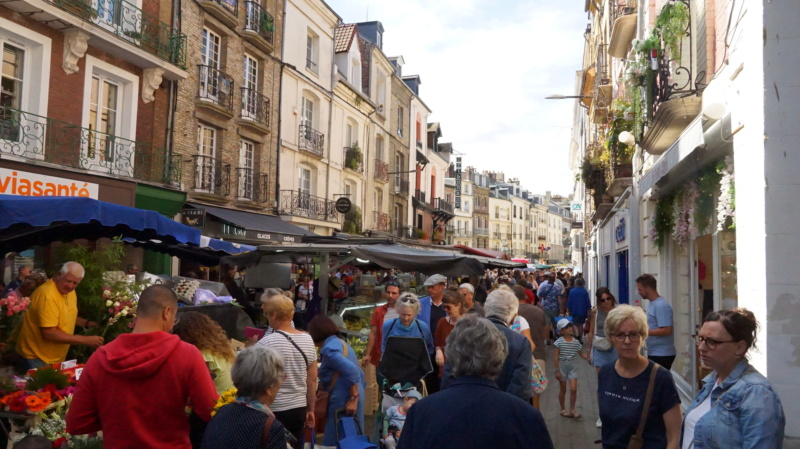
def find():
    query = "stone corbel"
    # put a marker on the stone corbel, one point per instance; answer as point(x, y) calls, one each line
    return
point(152, 80)
point(75, 44)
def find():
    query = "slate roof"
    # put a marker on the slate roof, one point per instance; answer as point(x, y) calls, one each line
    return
point(343, 37)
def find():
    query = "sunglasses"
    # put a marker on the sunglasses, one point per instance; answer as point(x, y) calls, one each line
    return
point(604, 299)
point(407, 299)
point(392, 284)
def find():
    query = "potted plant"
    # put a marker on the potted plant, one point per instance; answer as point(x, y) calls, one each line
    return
point(352, 221)
point(422, 235)
point(353, 158)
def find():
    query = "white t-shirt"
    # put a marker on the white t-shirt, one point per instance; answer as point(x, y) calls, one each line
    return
point(691, 420)
point(523, 323)
point(293, 390)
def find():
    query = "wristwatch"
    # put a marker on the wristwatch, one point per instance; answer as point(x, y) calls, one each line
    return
point(353, 398)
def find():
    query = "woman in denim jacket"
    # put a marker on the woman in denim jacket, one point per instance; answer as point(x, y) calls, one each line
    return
point(737, 408)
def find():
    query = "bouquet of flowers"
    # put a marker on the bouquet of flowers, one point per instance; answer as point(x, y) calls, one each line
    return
point(121, 304)
point(12, 308)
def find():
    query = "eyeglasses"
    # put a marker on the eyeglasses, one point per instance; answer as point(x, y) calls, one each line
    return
point(407, 299)
point(633, 337)
point(710, 342)
point(604, 299)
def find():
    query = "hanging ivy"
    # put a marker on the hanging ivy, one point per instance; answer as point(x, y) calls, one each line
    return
point(662, 223)
point(671, 25)
point(708, 186)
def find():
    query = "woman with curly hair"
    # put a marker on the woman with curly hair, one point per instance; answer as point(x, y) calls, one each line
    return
point(204, 333)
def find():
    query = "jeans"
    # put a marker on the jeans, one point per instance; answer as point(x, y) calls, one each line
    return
point(29, 364)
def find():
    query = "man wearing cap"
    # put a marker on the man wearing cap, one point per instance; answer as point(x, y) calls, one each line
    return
point(431, 311)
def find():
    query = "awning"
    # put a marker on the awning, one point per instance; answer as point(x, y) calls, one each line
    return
point(31, 221)
point(491, 254)
point(209, 252)
point(257, 226)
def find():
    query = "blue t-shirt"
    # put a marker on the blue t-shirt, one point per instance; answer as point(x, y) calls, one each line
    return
point(579, 302)
point(659, 314)
point(620, 401)
point(417, 329)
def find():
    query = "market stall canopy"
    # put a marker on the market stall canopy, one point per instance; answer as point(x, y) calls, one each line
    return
point(539, 266)
point(31, 221)
point(208, 254)
point(256, 223)
point(483, 252)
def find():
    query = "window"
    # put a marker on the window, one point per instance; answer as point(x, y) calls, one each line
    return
point(11, 87)
point(247, 151)
point(400, 121)
point(210, 63)
point(205, 175)
point(250, 92)
point(103, 119)
point(515, 211)
point(379, 148)
point(312, 52)
point(377, 200)
point(398, 168)
point(398, 215)
point(497, 212)
point(466, 205)
point(349, 134)
point(304, 180)
point(381, 92)
point(419, 130)
point(355, 74)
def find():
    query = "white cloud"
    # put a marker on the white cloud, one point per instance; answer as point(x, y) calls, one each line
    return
point(486, 67)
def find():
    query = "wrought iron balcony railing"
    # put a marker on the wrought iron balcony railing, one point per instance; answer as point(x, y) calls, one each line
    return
point(215, 86)
point(401, 186)
point(311, 140)
point(443, 205)
point(450, 228)
point(211, 175)
point(354, 159)
point(258, 20)
point(252, 185)
point(380, 221)
point(232, 6)
point(37, 138)
point(419, 195)
point(255, 106)
point(481, 231)
point(129, 23)
point(495, 235)
point(381, 170)
point(294, 202)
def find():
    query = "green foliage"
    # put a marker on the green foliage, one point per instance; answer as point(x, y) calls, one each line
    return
point(671, 25)
point(83, 442)
point(707, 188)
point(662, 222)
point(45, 376)
point(353, 158)
point(352, 221)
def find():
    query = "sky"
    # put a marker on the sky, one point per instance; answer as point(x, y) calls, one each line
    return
point(486, 67)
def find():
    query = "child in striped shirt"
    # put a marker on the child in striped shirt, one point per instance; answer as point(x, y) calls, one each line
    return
point(567, 350)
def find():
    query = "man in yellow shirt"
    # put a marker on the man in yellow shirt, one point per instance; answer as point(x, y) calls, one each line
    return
point(48, 326)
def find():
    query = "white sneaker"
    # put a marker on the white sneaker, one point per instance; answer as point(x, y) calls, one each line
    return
point(599, 423)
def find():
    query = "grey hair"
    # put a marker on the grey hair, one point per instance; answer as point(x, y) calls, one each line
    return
point(73, 268)
point(408, 299)
point(269, 293)
point(624, 312)
point(255, 370)
point(476, 348)
point(467, 286)
point(502, 303)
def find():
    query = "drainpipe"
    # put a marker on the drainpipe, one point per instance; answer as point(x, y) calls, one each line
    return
point(281, 65)
point(330, 127)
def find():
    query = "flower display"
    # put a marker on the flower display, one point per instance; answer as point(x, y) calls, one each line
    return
point(727, 194)
point(684, 228)
point(225, 398)
point(13, 305)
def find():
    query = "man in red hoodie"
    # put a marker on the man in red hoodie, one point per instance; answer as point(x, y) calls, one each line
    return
point(135, 388)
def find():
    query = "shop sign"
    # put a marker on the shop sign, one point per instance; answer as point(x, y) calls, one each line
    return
point(195, 218)
point(20, 183)
point(577, 207)
point(343, 205)
point(234, 231)
point(271, 237)
point(458, 182)
point(620, 231)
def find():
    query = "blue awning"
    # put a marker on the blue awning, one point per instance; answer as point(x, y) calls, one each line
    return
point(208, 253)
point(37, 221)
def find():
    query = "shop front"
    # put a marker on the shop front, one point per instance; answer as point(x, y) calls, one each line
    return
point(168, 203)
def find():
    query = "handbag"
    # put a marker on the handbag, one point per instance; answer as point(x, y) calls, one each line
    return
point(322, 399)
point(636, 441)
point(601, 343)
point(538, 378)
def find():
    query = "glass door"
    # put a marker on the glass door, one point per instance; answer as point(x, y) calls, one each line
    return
point(103, 122)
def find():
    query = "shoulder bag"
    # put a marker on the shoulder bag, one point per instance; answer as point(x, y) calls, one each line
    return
point(322, 399)
point(601, 343)
point(637, 442)
point(265, 432)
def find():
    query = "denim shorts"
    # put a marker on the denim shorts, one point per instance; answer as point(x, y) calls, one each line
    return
point(568, 368)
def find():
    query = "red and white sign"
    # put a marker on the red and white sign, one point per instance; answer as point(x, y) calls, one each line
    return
point(20, 183)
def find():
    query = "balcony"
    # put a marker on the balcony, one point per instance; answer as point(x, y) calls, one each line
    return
point(259, 26)
point(353, 159)
point(251, 185)
point(481, 210)
point(36, 139)
point(481, 231)
point(381, 171)
point(225, 10)
point(255, 110)
point(301, 204)
point(622, 177)
point(401, 186)
point(380, 221)
point(509, 236)
point(441, 205)
point(450, 229)
point(211, 176)
point(623, 29)
point(215, 90)
point(311, 140)
point(419, 200)
point(463, 234)
point(496, 235)
point(134, 30)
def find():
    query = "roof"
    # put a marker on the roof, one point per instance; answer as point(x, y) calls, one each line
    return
point(343, 37)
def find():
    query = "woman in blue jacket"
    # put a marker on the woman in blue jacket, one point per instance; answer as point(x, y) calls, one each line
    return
point(407, 324)
point(340, 370)
point(737, 408)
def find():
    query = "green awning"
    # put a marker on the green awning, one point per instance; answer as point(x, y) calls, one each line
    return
point(165, 201)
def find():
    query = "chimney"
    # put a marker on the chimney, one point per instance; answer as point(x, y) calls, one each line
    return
point(547, 198)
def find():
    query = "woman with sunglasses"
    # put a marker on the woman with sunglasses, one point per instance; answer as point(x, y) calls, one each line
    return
point(407, 324)
point(600, 347)
point(453, 304)
point(738, 407)
point(622, 388)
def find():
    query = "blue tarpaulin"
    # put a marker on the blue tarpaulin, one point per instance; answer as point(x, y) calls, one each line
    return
point(31, 221)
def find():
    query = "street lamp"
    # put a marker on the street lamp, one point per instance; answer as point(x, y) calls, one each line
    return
point(565, 97)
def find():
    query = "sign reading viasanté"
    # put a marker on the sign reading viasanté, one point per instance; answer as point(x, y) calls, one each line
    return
point(20, 183)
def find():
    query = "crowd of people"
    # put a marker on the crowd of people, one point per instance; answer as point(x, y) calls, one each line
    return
point(485, 341)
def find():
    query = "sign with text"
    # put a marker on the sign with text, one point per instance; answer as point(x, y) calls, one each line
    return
point(193, 217)
point(20, 183)
point(577, 207)
point(272, 237)
point(458, 182)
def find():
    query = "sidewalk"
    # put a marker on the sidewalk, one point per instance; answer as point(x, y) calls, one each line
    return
point(568, 433)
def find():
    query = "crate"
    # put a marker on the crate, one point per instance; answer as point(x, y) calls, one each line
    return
point(372, 399)
point(369, 374)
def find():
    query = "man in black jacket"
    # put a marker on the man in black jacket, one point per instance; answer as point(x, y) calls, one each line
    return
point(515, 377)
